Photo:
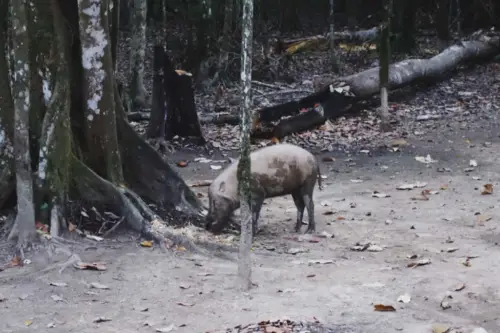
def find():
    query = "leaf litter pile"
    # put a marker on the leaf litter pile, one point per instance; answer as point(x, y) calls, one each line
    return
point(287, 326)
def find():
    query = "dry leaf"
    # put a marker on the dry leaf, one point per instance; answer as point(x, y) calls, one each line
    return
point(473, 163)
point(101, 320)
point(182, 164)
point(15, 261)
point(411, 186)
point(424, 195)
point(90, 266)
point(71, 227)
point(421, 262)
point(328, 159)
point(329, 212)
point(377, 194)
point(383, 308)
point(325, 203)
point(215, 167)
point(97, 285)
point(58, 284)
point(487, 189)
point(459, 287)
point(202, 183)
point(296, 250)
point(405, 298)
point(445, 304)
point(483, 218)
point(28, 322)
point(147, 243)
point(427, 159)
point(340, 218)
point(441, 328)
point(185, 304)
point(94, 237)
point(166, 329)
point(320, 261)
point(399, 143)
point(57, 298)
point(443, 187)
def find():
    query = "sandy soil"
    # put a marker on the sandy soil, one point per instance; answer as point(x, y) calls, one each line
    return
point(149, 290)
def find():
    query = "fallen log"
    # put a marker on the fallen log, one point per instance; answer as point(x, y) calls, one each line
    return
point(338, 97)
point(304, 121)
point(138, 116)
point(220, 119)
point(406, 72)
point(291, 46)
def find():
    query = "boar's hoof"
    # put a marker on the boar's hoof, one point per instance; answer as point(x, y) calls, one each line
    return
point(310, 230)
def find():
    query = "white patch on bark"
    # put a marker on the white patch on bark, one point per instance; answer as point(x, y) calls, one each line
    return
point(44, 149)
point(47, 93)
point(94, 42)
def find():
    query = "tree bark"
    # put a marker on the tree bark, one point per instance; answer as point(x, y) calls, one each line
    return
point(334, 61)
point(24, 226)
point(385, 57)
point(244, 164)
point(100, 129)
point(138, 54)
point(7, 173)
point(114, 28)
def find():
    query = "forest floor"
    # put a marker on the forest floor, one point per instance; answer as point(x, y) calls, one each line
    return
point(453, 236)
point(302, 278)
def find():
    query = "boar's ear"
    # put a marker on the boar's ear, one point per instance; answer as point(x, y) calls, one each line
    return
point(222, 187)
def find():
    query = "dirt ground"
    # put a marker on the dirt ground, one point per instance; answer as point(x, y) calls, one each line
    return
point(181, 292)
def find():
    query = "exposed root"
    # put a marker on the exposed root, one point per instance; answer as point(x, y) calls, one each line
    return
point(152, 178)
point(135, 211)
point(113, 228)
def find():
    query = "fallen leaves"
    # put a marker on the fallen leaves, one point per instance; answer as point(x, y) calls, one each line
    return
point(146, 243)
point(377, 194)
point(383, 308)
point(90, 266)
point(405, 298)
point(487, 189)
point(425, 159)
point(182, 164)
point(421, 262)
point(411, 186)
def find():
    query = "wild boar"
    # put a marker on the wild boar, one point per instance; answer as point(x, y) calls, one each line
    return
point(275, 171)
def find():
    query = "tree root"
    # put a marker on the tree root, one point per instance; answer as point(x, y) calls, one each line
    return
point(153, 179)
point(92, 188)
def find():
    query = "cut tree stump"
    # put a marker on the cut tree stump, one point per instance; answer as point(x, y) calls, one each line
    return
point(181, 118)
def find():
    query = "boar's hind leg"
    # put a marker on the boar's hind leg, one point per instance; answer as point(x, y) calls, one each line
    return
point(299, 203)
point(256, 207)
point(307, 195)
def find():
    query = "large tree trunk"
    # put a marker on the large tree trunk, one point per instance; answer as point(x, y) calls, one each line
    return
point(7, 182)
point(244, 164)
point(88, 151)
point(24, 226)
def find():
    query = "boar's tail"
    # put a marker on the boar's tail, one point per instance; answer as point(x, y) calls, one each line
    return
point(320, 185)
